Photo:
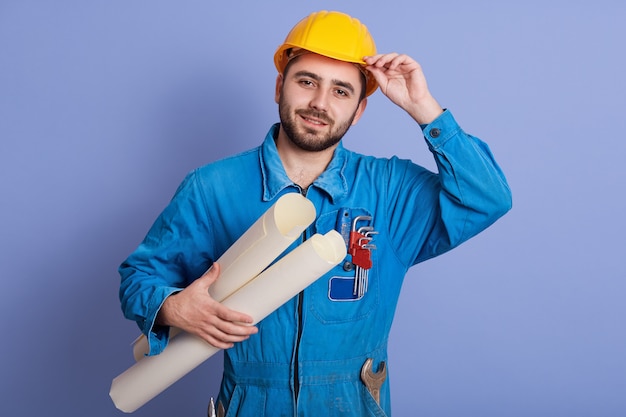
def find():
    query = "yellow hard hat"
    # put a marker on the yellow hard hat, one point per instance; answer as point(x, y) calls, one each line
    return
point(332, 34)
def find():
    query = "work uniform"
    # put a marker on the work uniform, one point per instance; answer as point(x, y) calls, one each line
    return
point(307, 356)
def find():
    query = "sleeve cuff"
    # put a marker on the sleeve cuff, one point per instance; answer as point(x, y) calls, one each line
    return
point(158, 336)
point(441, 129)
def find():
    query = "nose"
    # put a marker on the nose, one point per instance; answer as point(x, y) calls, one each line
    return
point(319, 101)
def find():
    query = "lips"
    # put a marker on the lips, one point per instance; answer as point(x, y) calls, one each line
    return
point(315, 119)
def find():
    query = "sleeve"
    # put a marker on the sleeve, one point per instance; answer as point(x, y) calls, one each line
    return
point(172, 255)
point(433, 213)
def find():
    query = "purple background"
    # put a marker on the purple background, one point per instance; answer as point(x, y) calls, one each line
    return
point(105, 105)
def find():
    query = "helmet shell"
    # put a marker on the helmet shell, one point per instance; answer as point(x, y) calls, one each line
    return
point(332, 34)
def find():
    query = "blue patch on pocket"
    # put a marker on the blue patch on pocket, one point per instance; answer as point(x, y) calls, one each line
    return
point(342, 289)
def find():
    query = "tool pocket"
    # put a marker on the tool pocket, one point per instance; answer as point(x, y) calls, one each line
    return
point(334, 297)
point(371, 406)
point(254, 404)
point(351, 399)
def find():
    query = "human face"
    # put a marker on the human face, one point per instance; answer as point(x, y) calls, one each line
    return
point(318, 100)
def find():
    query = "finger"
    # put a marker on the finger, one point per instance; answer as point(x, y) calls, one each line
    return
point(380, 60)
point(378, 75)
point(233, 332)
point(226, 314)
point(391, 63)
point(226, 334)
point(396, 62)
point(218, 341)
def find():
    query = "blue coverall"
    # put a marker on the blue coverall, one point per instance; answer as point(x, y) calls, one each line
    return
point(307, 356)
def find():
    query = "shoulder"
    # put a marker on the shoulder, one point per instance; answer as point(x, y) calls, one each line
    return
point(230, 162)
point(359, 161)
point(234, 166)
point(222, 174)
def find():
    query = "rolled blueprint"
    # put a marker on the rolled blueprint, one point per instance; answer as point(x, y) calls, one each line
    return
point(260, 297)
point(267, 238)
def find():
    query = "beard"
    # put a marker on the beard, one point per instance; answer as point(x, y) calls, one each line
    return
point(309, 139)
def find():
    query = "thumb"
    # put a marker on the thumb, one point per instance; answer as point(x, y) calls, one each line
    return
point(378, 74)
point(210, 276)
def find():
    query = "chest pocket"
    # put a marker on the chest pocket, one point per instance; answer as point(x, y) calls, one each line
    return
point(332, 297)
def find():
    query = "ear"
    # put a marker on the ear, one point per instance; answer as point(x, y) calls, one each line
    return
point(359, 111)
point(279, 88)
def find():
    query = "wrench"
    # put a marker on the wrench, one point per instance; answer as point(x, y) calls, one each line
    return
point(220, 409)
point(373, 381)
point(211, 410)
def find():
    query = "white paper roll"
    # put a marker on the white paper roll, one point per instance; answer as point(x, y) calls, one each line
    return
point(267, 238)
point(260, 297)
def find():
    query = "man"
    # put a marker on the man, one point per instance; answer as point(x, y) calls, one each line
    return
point(306, 357)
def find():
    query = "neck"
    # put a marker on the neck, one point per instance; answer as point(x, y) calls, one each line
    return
point(302, 167)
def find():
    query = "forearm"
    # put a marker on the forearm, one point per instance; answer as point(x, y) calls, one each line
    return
point(425, 110)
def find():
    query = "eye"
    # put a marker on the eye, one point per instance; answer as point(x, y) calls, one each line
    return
point(341, 92)
point(306, 83)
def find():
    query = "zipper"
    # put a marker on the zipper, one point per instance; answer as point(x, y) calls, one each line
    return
point(296, 371)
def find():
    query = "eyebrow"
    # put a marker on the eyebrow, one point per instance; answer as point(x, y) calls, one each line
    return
point(343, 84)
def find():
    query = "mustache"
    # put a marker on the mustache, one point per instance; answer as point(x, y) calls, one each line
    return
point(315, 115)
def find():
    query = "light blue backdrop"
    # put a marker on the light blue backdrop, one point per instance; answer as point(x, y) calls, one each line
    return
point(105, 105)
